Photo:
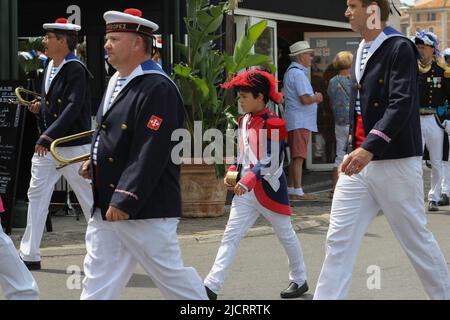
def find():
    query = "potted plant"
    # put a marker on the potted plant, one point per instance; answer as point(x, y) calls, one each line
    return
point(198, 76)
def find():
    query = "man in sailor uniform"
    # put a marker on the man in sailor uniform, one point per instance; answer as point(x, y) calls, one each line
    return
point(16, 281)
point(383, 168)
point(137, 200)
point(434, 91)
point(262, 188)
point(64, 110)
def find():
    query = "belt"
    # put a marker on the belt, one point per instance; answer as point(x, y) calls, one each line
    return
point(427, 112)
point(439, 110)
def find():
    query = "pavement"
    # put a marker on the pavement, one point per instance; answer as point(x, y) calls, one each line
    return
point(63, 252)
point(68, 232)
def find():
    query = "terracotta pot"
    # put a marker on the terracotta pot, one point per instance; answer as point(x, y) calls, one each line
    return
point(203, 194)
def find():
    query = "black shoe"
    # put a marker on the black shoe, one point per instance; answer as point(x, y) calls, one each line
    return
point(294, 291)
point(211, 294)
point(444, 201)
point(432, 206)
point(32, 265)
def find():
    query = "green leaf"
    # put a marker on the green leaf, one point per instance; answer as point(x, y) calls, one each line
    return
point(245, 44)
point(254, 60)
point(201, 86)
point(182, 70)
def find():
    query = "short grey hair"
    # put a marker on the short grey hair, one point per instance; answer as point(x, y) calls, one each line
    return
point(148, 43)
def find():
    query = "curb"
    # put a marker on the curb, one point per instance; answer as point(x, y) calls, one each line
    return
point(299, 224)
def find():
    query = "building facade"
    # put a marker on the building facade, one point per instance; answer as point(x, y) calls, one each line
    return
point(431, 15)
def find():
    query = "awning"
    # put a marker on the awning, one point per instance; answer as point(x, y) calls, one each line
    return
point(320, 9)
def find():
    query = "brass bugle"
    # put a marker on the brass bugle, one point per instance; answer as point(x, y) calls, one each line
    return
point(231, 177)
point(21, 100)
point(63, 161)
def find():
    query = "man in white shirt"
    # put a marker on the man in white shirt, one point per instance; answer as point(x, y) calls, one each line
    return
point(300, 114)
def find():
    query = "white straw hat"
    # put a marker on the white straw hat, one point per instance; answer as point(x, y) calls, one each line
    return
point(300, 47)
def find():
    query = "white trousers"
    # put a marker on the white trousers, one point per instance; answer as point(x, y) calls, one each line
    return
point(341, 133)
point(115, 248)
point(445, 186)
point(245, 210)
point(43, 179)
point(16, 281)
point(396, 188)
point(433, 138)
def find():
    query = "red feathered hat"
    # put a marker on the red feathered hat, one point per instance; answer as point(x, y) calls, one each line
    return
point(258, 79)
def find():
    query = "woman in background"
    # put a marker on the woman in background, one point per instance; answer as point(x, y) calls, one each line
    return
point(339, 94)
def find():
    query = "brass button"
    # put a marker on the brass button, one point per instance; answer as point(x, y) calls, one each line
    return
point(376, 104)
point(124, 127)
point(431, 96)
point(359, 86)
point(46, 101)
point(381, 81)
point(104, 126)
point(55, 115)
point(59, 101)
point(111, 160)
point(112, 186)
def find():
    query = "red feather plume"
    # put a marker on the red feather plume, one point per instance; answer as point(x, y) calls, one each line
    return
point(246, 79)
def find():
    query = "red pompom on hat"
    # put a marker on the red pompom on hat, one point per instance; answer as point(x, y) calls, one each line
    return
point(61, 20)
point(134, 12)
point(252, 79)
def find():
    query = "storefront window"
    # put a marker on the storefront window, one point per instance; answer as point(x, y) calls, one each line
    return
point(326, 46)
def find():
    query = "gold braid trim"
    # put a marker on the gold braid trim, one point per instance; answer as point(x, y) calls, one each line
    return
point(444, 66)
point(424, 69)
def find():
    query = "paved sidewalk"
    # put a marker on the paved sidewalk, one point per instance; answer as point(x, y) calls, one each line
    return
point(68, 231)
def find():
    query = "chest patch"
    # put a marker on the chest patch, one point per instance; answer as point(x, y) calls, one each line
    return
point(154, 123)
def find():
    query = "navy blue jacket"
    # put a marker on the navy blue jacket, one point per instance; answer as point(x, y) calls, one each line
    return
point(66, 105)
point(389, 98)
point(134, 170)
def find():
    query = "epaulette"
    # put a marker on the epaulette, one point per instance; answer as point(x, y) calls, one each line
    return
point(444, 66)
point(276, 124)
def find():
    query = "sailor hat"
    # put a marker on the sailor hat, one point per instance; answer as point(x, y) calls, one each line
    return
point(158, 43)
point(61, 24)
point(129, 21)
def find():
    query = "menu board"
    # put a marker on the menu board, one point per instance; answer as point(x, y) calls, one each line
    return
point(11, 119)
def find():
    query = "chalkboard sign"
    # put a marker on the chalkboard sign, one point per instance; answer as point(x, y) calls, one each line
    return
point(11, 119)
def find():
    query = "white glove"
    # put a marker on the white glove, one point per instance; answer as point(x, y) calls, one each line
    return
point(446, 125)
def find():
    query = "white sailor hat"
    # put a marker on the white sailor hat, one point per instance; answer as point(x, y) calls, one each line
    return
point(158, 42)
point(61, 24)
point(129, 21)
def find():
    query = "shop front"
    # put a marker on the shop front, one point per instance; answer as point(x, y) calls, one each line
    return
point(324, 25)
